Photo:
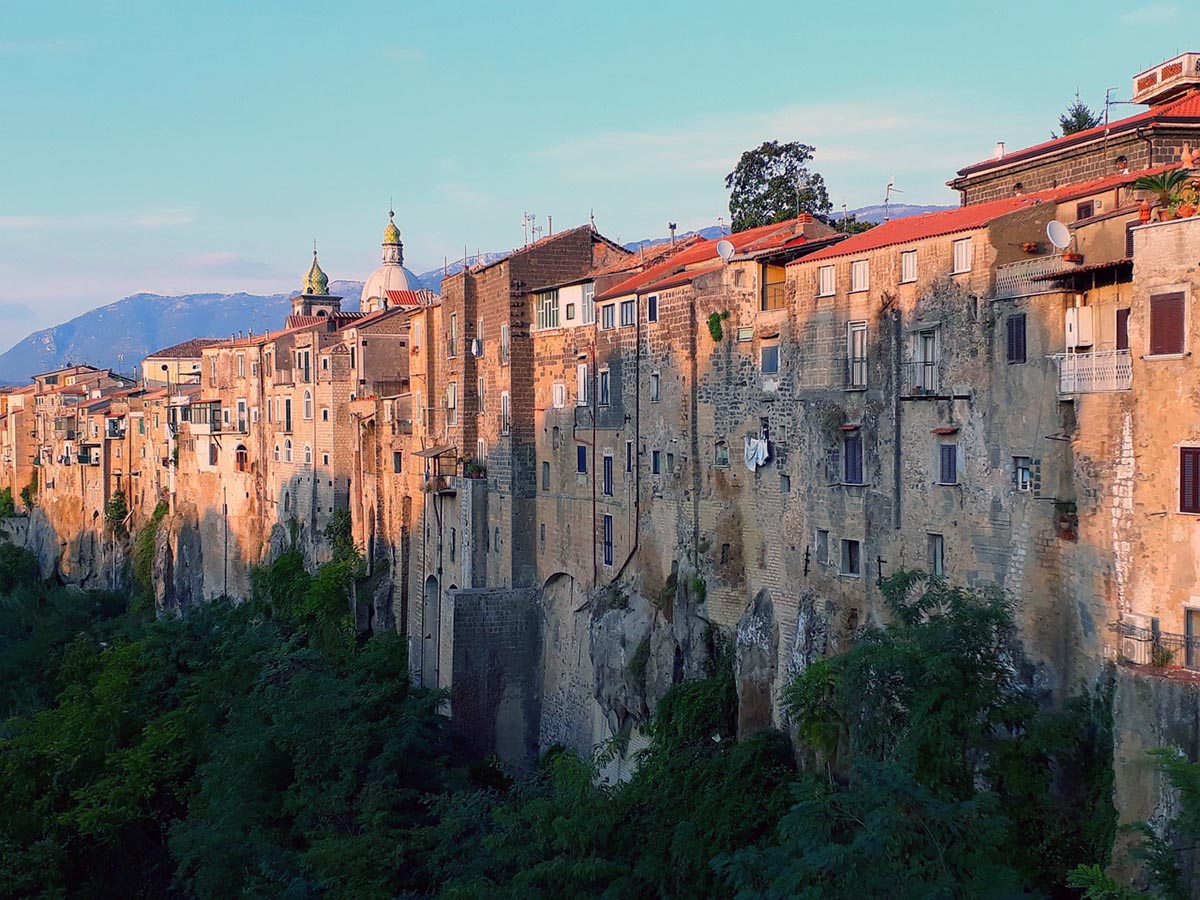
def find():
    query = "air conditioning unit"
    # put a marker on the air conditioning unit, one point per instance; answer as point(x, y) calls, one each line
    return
point(476, 347)
point(1079, 331)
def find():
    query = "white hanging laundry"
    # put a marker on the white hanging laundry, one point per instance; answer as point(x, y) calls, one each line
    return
point(755, 452)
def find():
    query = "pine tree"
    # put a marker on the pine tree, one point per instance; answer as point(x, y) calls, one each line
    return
point(1078, 117)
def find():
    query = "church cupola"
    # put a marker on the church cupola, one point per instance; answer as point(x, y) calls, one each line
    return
point(315, 300)
point(393, 247)
point(391, 276)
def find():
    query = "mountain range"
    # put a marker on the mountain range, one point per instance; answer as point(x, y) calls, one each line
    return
point(119, 334)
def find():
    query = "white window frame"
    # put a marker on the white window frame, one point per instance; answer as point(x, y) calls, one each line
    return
point(604, 394)
point(908, 266)
point(935, 553)
point(547, 310)
point(856, 364)
point(452, 403)
point(505, 417)
point(608, 316)
point(860, 276)
point(1023, 464)
point(581, 384)
point(559, 395)
point(589, 304)
point(505, 347)
point(628, 313)
point(452, 337)
point(826, 281)
point(655, 387)
point(481, 393)
point(964, 255)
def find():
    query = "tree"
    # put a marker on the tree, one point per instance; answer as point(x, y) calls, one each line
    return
point(1078, 117)
point(772, 183)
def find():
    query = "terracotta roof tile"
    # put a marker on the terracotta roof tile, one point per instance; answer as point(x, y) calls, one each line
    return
point(421, 297)
point(187, 350)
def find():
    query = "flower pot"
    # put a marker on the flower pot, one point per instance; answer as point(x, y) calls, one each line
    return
point(1186, 210)
point(1144, 212)
point(1166, 215)
point(1072, 257)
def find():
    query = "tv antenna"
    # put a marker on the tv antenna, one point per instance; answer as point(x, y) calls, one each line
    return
point(887, 197)
point(527, 226)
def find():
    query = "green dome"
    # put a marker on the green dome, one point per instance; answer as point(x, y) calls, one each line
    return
point(316, 282)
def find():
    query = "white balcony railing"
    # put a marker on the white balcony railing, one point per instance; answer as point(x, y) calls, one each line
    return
point(1017, 279)
point(1096, 372)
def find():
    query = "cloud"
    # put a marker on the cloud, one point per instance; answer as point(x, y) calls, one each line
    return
point(159, 218)
point(1153, 14)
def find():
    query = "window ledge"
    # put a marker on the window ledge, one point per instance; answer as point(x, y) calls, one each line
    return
point(961, 272)
point(1165, 356)
point(855, 389)
point(849, 575)
point(865, 290)
point(947, 483)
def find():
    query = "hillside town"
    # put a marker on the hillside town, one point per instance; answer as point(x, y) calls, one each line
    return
point(577, 455)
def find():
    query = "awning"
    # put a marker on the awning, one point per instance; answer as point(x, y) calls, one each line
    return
point(430, 452)
point(946, 429)
point(1093, 267)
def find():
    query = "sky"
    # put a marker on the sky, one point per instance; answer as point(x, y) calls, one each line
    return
point(193, 147)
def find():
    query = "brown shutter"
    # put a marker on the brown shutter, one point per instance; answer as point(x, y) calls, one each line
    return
point(1166, 323)
point(1122, 329)
point(1189, 479)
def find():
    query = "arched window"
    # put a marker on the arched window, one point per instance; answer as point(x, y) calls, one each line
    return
point(287, 501)
point(276, 453)
point(308, 454)
point(241, 458)
point(722, 455)
point(287, 450)
point(307, 405)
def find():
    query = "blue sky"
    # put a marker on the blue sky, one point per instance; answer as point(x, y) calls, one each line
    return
point(179, 148)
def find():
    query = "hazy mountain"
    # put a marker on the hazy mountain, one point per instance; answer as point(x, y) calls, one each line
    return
point(120, 334)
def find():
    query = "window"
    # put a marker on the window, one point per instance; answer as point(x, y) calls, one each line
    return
point(608, 540)
point(851, 558)
point(547, 310)
point(479, 330)
point(545, 476)
point(948, 463)
point(212, 369)
point(287, 450)
point(608, 316)
point(670, 463)
point(608, 475)
point(308, 407)
point(589, 304)
point(605, 388)
point(826, 283)
point(324, 413)
point(270, 410)
point(745, 334)
point(908, 266)
point(628, 312)
point(821, 546)
point(629, 456)
point(570, 312)
point(1085, 210)
point(453, 543)
point(656, 462)
point(451, 336)
point(560, 395)
point(1166, 324)
point(1189, 479)
point(241, 365)
point(276, 453)
point(860, 275)
point(415, 335)
point(505, 348)
point(1022, 473)
point(254, 414)
point(1123, 329)
point(480, 392)
point(242, 408)
point(397, 461)
point(769, 359)
point(1016, 338)
point(212, 453)
point(652, 308)
point(505, 420)
point(324, 363)
point(856, 355)
point(581, 459)
point(925, 359)
point(935, 554)
point(452, 403)
point(963, 256)
point(785, 483)
point(308, 454)
point(325, 462)
point(287, 413)
point(481, 451)
point(581, 384)
point(852, 457)
point(721, 457)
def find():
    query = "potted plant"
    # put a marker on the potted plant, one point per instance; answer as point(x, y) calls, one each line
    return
point(1165, 185)
point(1031, 246)
point(1072, 256)
point(1188, 198)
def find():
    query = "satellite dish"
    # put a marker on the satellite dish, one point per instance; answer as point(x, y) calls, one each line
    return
point(1058, 234)
point(724, 250)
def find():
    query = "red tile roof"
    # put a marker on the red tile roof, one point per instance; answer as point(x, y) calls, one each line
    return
point(421, 297)
point(1185, 109)
point(187, 350)
point(965, 218)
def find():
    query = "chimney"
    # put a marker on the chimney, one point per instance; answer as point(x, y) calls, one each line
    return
point(999, 150)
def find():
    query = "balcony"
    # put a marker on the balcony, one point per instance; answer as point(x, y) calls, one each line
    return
point(775, 296)
point(1020, 279)
point(1097, 372)
point(441, 484)
point(920, 378)
point(856, 373)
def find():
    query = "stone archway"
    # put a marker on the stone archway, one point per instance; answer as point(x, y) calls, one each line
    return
point(430, 629)
point(569, 712)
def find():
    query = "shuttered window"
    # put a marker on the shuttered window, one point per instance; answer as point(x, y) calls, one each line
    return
point(1166, 324)
point(1122, 329)
point(1189, 479)
point(948, 464)
point(853, 451)
point(1016, 338)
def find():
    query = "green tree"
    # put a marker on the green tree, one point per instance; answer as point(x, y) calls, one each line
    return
point(1078, 117)
point(7, 507)
point(772, 183)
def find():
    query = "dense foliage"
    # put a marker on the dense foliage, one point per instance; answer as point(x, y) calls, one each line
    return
point(772, 183)
point(1078, 117)
point(259, 750)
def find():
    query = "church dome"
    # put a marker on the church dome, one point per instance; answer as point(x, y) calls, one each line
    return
point(391, 276)
point(316, 282)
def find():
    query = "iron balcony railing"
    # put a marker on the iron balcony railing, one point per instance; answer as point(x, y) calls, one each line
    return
point(920, 377)
point(1151, 647)
point(1017, 279)
point(856, 372)
point(775, 296)
point(1095, 372)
